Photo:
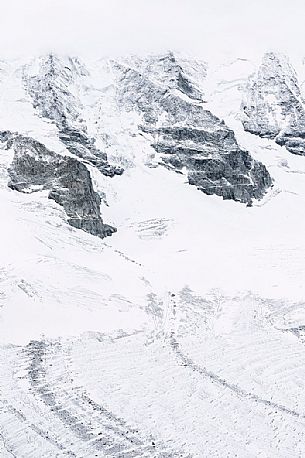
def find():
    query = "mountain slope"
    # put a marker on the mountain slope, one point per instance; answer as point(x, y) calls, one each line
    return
point(274, 106)
point(182, 335)
point(186, 135)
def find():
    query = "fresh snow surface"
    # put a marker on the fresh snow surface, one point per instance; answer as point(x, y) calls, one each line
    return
point(182, 335)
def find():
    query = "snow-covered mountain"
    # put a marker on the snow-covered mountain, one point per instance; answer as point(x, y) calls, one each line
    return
point(182, 334)
point(274, 106)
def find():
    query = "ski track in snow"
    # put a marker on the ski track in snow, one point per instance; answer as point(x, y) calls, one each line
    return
point(87, 428)
point(52, 394)
point(187, 362)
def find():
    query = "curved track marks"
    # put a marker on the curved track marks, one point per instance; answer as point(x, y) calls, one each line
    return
point(98, 431)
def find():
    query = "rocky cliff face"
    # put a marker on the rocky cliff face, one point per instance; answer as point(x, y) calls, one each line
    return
point(273, 106)
point(164, 94)
point(35, 168)
point(213, 163)
point(187, 136)
point(52, 84)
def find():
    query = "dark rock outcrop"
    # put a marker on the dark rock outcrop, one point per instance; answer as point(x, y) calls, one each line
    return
point(273, 106)
point(35, 168)
point(190, 138)
point(49, 90)
point(213, 162)
point(78, 143)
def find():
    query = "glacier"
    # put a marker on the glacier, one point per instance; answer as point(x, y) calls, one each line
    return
point(182, 334)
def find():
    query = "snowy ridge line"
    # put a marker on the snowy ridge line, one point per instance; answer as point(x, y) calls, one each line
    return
point(188, 362)
point(96, 429)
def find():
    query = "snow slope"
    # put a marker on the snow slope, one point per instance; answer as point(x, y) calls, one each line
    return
point(182, 334)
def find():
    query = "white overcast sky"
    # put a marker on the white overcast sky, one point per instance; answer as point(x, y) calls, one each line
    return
point(103, 27)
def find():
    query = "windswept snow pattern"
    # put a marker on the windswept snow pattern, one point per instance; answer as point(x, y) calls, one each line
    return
point(183, 334)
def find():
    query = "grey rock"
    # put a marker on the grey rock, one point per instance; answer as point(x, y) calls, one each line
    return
point(49, 90)
point(78, 143)
point(273, 106)
point(168, 70)
point(188, 137)
point(213, 162)
point(35, 168)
